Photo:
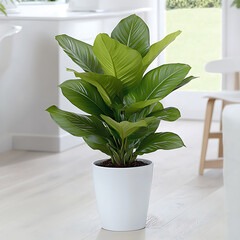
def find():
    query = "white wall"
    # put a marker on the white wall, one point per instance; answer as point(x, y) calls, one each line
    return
point(27, 80)
point(6, 56)
point(230, 37)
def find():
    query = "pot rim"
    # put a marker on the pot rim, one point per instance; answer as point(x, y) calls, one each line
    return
point(149, 163)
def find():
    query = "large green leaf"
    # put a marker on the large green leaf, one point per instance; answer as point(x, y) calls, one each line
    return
point(157, 107)
point(77, 124)
point(157, 84)
point(145, 131)
point(155, 141)
point(184, 82)
point(167, 114)
point(84, 96)
point(134, 107)
point(108, 86)
point(136, 116)
point(97, 143)
point(158, 47)
point(81, 53)
point(119, 60)
point(134, 33)
point(124, 128)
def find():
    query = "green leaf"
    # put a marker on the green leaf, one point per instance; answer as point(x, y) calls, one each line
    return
point(184, 82)
point(167, 114)
point(157, 48)
point(84, 96)
point(134, 33)
point(97, 143)
point(119, 60)
point(136, 116)
point(134, 107)
point(156, 84)
point(124, 128)
point(107, 86)
point(77, 124)
point(145, 131)
point(81, 53)
point(2, 9)
point(158, 106)
point(156, 141)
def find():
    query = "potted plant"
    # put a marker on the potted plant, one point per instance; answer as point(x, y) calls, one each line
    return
point(123, 109)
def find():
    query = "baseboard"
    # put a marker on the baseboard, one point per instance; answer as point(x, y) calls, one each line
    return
point(5, 143)
point(45, 143)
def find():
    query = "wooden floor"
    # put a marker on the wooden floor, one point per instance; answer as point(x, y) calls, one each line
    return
point(48, 196)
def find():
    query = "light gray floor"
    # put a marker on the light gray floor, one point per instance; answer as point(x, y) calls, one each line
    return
point(48, 196)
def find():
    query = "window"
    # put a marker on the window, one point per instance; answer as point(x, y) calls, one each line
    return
point(200, 41)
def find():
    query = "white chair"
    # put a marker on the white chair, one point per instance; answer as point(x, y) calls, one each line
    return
point(226, 65)
point(8, 30)
point(231, 169)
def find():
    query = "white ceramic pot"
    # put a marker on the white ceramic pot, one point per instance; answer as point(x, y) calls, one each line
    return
point(231, 169)
point(123, 195)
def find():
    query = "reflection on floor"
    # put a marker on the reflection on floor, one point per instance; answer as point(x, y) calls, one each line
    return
point(48, 196)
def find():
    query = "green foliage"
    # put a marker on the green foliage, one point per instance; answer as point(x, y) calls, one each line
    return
point(158, 47)
point(119, 60)
point(122, 103)
point(155, 141)
point(3, 9)
point(134, 33)
point(236, 3)
point(81, 53)
point(174, 4)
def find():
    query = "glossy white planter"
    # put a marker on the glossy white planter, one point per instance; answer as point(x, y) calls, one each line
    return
point(122, 196)
point(231, 169)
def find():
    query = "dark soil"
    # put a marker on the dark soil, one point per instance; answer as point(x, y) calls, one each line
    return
point(108, 163)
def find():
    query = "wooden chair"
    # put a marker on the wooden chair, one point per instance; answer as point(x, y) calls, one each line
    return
point(226, 65)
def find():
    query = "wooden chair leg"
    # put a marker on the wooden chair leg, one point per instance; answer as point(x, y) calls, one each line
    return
point(220, 147)
point(220, 144)
point(206, 131)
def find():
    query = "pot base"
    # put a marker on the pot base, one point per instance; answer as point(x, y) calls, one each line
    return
point(131, 230)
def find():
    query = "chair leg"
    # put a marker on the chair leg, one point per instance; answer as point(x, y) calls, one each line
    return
point(206, 131)
point(220, 144)
point(220, 147)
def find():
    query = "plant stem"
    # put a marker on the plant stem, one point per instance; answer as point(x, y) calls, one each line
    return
point(123, 150)
point(116, 157)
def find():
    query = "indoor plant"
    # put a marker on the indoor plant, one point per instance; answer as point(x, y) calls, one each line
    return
point(123, 114)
